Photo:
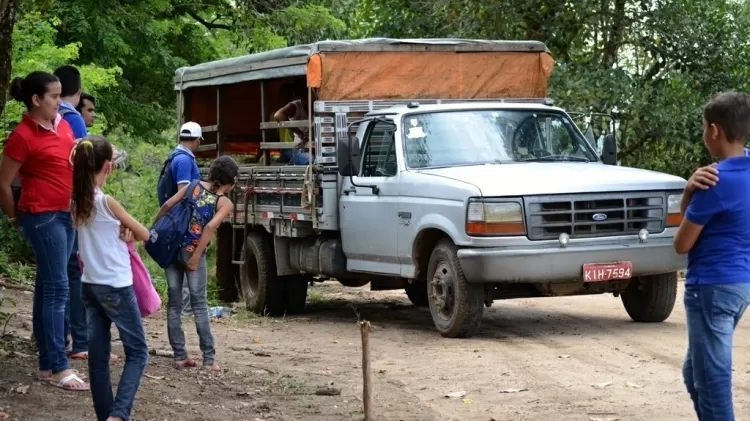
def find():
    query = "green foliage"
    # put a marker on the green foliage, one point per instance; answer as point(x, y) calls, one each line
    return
point(34, 49)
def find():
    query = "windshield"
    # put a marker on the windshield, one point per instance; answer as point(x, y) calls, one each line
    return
point(440, 139)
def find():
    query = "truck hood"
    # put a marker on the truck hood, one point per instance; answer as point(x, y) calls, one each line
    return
point(533, 178)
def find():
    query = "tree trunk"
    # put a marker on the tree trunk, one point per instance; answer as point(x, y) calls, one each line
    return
point(7, 20)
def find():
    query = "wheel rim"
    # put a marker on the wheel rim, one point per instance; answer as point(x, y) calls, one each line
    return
point(443, 290)
point(251, 280)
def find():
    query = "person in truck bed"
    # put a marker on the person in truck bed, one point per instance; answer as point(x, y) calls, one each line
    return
point(296, 110)
point(715, 234)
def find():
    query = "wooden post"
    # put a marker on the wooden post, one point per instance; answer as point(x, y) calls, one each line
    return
point(367, 389)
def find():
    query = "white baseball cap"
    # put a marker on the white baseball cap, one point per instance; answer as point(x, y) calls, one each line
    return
point(191, 130)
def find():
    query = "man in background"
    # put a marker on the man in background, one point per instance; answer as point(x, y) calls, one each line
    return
point(179, 170)
point(75, 311)
point(87, 108)
point(70, 79)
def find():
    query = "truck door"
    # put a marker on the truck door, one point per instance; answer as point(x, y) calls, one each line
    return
point(368, 215)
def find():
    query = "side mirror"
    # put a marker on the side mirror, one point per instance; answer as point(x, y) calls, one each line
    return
point(347, 155)
point(609, 150)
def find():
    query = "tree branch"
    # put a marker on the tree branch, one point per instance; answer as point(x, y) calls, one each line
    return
point(207, 24)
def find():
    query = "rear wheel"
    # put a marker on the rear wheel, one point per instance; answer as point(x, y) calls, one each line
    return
point(650, 299)
point(262, 290)
point(456, 305)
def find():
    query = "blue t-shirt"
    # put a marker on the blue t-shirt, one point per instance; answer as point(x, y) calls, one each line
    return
point(184, 167)
point(721, 255)
point(74, 118)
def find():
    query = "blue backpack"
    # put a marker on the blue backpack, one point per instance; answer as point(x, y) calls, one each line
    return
point(170, 230)
point(167, 186)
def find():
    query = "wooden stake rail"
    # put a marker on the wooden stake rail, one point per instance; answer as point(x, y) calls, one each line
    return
point(365, 328)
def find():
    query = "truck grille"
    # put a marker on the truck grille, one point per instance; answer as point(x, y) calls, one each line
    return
point(594, 215)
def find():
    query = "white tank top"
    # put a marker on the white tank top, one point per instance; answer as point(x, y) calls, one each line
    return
point(105, 257)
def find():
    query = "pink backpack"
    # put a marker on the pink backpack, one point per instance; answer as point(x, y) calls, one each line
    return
point(148, 299)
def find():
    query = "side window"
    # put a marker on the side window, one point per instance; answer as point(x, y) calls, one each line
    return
point(379, 155)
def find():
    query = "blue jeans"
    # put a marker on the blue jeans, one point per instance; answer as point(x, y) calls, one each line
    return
point(713, 312)
point(50, 235)
point(295, 157)
point(106, 305)
point(75, 311)
point(197, 281)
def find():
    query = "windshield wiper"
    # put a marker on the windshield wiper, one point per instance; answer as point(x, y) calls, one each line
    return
point(556, 158)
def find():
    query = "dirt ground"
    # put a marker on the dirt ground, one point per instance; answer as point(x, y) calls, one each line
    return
point(578, 358)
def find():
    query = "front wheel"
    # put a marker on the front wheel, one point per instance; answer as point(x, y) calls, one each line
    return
point(650, 299)
point(456, 305)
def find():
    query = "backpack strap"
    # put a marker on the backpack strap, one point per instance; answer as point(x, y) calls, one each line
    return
point(171, 157)
point(189, 192)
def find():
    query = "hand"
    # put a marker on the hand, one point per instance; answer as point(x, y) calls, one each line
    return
point(126, 235)
point(703, 178)
point(192, 264)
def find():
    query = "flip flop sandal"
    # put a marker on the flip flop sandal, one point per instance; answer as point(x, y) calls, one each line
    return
point(185, 364)
point(85, 356)
point(48, 378)
point(65, 383)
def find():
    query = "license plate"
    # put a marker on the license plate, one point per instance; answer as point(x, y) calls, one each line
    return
point(600, 272)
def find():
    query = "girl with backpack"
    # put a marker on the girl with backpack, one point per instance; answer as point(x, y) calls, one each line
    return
point(212, 206)
point(107, 280)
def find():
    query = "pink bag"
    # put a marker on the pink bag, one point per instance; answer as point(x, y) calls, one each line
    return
point(148, 299)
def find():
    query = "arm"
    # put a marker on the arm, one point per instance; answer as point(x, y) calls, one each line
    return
point(9, 168)
point(222, 211)
point(702, 206)
point(15, 154)
point(169, 204)
point(139, 231)
point(284, 114)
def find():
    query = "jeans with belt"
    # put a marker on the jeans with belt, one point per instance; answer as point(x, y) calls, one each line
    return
point(713, 312)
point(50, 235)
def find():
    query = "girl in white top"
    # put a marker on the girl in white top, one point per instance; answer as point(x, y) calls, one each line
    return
point(107, 279)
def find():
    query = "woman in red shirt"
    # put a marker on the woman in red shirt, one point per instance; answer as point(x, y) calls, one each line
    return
point(38, 153)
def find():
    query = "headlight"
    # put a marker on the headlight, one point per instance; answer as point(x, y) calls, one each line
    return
point(674, 201)
point(494, 219)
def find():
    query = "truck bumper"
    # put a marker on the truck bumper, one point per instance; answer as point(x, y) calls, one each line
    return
point(552, 263)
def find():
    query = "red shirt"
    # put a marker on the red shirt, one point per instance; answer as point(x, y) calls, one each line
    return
point(46, 174)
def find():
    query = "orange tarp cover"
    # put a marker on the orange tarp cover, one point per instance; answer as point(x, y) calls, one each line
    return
point(434, 75)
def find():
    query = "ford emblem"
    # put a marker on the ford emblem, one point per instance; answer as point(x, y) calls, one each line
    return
point(600, 217)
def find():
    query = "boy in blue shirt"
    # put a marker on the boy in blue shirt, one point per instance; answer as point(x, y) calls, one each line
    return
point(715, 234)
point(70, 81)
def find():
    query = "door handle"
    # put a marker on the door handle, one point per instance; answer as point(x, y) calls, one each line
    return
point(350, 190)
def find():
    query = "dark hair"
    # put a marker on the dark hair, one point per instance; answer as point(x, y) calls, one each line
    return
point(70, 79)
point(90, 155)
point(35, 83)
point(300, 89)
point(223, 171)
point(88, 97)
point(731, 112)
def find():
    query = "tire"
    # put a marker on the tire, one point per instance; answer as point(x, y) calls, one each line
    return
point(295, 288)
point(354, 283)
point(456, 305)
point(262, 290)
point(650, 299)
point(417, 291)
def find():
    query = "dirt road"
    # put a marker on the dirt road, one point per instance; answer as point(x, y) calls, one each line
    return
point(577, 358)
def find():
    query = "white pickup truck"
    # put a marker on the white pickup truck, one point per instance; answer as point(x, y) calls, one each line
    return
point(459, 202)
